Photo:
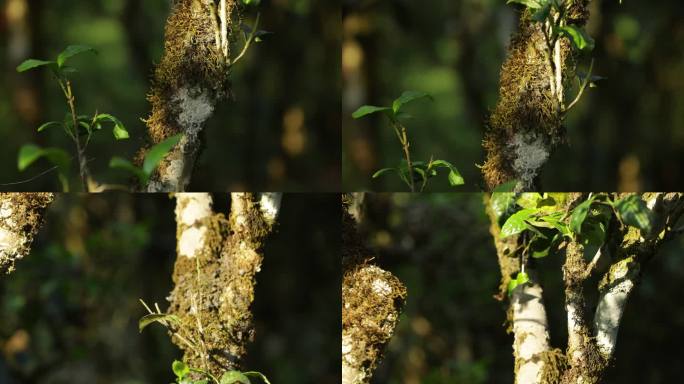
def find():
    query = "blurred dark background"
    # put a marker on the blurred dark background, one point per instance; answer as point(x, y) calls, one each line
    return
point(280, 133)
point(627, 134)
point(69, 313)
point(453, 330)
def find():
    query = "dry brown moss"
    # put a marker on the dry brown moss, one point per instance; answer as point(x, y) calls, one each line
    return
point(21, 214)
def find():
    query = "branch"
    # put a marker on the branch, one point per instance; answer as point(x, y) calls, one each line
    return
point(21, 215)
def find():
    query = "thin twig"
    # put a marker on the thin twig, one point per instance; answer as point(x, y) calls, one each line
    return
point(249, 40)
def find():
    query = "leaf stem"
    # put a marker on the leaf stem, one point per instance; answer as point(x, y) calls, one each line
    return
point(400, 130)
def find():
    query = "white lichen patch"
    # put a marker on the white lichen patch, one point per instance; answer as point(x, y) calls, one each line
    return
point(191, 241)
point(530, 154)
point(195, 107)
point(269, 204)
point(197, 207)
point(10, 242)
point(381, 287)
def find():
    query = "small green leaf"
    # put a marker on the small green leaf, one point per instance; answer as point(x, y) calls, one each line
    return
point(72, 51)
point(180, 369)
point(157, 153)
point(368, 110)
point(516, 223)
point(161, 318)
point(579, 214)
point(502, 204)
point(259, 375)
point(506, 187)
point(634, 212)
point(455, 178)
point(578, 36)
point(33, 63)
point(532, 4)
point(408, 97)
point(234, 377)
point(381, 171)
point(541, 14)
point(28, 154)
point(48, 125)
point(520, 279)
point(120, 132)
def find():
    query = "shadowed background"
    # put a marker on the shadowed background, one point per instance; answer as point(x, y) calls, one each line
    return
point(280, 133)
point(453, 330)
point(627, 134)
point(69, 313)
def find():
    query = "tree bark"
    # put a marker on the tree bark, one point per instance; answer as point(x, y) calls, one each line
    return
point(372, 300)
point(526, 124)
point(21, 215)
point(190, 80)
point(214, 275)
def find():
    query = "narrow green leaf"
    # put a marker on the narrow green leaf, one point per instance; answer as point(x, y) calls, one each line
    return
point(532, 4)
point(634, 212)
point(579, 37)
point(381, 171)
point(180, 369)
point(157, 153)
point(408, 97)
point(48, 125)
point(455, 178)
point(28, 154)
point(579, 214)
point(160, 318)
point(33, 63)
point(119, 131)
point(234, 377)
point(259, 375)
point(516, 223)
point(368, 110)
point(72, 51)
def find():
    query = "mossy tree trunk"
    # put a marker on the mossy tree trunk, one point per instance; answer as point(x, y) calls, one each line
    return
point(189, 81)
point(527, 122)
point(372, 300)
point(591, 337)
point(21, 215)
point(214, 275)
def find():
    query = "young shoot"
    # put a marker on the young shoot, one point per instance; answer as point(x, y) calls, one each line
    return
point(415, 174)
point(78, 128)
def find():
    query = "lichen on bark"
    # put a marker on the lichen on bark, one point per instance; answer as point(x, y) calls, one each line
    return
point(214, 282)
point(21, 215)
point(527, 123)
point(189, 81)
point(372, 300)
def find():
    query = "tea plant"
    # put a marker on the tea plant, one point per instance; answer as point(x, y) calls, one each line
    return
point(545, 223)
point(415, 174)
point(79, 128)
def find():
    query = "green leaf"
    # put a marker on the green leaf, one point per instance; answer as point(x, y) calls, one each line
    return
point(48, 125)
point(529, 200)
point(120, 132)
point(516, 223)
point(368, 110)
point(259, 375)
point(520, 279)
point(506, 187)
point(634, 212)
point(121, 163)
point(381, 171)
point(161, 318)
point(541, 14)
point(157, 153)
point(593, 237)
point(72, 51)
point(234, 377)
point(29, 154)
point(408, 97)
point(502, 203)
point(578, 36)
point(579, 214)
point(455, 177)
point(180, 369)
point(33, 63)
point(532, 4)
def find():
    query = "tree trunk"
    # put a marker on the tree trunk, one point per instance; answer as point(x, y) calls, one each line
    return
point(21, 215)
point(526, 124)
point(214, 275)
point(190, 80)
point(372, 300)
